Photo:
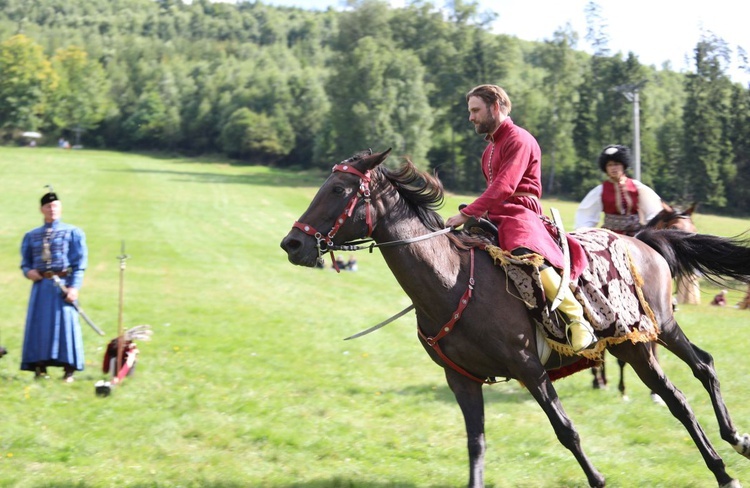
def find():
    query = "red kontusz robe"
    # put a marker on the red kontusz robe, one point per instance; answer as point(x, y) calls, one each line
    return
point(512, 165)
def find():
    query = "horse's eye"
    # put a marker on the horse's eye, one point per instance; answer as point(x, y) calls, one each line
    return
point(338, 190)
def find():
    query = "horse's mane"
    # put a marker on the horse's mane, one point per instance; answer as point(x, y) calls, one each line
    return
point(423, 193)
point(662, 217)
point(421, 190)
point(666, 217)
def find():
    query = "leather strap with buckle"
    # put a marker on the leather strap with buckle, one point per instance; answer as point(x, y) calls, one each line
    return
point(50, 274)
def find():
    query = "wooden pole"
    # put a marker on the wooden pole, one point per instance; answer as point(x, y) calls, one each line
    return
point(120, 332)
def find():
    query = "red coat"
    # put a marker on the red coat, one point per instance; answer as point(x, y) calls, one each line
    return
point(512, 164)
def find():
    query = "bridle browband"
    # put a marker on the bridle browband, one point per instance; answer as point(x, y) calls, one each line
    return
point(324, 242)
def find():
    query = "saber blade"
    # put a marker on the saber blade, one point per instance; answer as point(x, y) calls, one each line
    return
point(382, 324)
point(87, 319)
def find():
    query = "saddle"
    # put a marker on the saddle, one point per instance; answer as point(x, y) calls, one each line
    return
point(480, 227)
point(609, 289)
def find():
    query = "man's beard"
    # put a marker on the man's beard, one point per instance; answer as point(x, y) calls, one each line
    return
point(486, 126)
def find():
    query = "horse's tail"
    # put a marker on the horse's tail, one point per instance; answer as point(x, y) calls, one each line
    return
point(714, 257)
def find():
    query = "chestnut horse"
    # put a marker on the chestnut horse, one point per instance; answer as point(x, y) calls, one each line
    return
point(669, 218)
point(454, 286)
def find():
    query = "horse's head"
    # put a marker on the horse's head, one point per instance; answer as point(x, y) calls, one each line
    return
point(339, 212)
point(674, 218)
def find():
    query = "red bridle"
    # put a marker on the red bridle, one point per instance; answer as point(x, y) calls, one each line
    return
point(363, 192)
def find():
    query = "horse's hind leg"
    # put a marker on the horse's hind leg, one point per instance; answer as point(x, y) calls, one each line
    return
point(640, 357)
point(600, 376)
point(469, 396)
point(621, 384)
point(702, 365)
point(655, 397)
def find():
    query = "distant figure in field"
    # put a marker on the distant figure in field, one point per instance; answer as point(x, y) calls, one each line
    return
point(721, 299)
point(53, 333)
point(627, 204)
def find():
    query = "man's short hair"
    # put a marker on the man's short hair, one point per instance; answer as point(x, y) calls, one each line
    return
point(491, 94)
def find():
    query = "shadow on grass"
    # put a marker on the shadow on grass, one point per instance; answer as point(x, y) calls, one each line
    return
point(332, 483)
point(444, 394)
point(338, 483)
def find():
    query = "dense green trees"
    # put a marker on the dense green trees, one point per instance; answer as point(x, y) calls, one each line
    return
point(285, 86)
point(27, 82)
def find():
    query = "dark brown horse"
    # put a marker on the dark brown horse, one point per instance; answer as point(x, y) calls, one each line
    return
point(669, 218)
point(453, 286)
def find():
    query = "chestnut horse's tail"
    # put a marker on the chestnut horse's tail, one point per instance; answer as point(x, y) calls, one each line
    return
point(714, 257)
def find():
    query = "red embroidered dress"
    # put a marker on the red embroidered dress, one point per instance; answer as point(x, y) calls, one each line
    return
point(511, 164)
point(620, 206)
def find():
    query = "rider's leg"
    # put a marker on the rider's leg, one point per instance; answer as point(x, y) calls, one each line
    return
point(580, 333)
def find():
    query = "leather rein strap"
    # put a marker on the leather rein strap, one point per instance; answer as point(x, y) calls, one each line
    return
point(432, 341)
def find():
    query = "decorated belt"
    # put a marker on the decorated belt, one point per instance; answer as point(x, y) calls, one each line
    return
point(621, 222)
point(50, 274)
point(524, 194)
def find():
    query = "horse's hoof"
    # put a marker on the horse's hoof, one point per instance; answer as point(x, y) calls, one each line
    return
point(731, 484)
point(657, 400)
point(742, 444)
point(625, 398)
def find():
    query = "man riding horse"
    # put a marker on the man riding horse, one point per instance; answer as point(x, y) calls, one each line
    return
point(511, 164)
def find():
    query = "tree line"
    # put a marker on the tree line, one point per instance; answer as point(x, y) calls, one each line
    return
point(297, 88)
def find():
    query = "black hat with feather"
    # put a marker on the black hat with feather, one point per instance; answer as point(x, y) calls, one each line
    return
point(617, 153)
point(50, 196)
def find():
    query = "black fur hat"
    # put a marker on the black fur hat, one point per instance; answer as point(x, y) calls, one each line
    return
point(50, 196)
point(620, 154)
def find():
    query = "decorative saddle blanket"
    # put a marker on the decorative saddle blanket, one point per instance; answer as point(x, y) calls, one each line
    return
point(609, 290)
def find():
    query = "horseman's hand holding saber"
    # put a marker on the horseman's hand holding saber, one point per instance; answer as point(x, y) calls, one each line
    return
point(70, 295)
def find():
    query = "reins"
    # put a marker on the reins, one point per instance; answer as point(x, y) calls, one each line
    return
point(364, 193)
point(360, 245)
point(329, 246)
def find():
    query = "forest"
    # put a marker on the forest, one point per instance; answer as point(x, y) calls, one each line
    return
point(303, 89)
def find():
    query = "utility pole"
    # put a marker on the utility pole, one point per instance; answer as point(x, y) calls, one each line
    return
point(630, 91)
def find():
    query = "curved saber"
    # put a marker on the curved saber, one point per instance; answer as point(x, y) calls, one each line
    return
point(64, 291)
point(382, 324)
point(87, 319)
point(565, 283)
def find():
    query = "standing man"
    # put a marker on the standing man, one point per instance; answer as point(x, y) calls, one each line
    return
point(511, 164)
point(53, 333)
point(627, 204)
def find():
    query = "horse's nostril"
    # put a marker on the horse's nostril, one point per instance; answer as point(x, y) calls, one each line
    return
point(290, 244)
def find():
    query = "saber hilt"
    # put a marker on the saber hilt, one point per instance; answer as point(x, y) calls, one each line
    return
point(64, 292)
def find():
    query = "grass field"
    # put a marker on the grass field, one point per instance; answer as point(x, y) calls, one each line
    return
point(247, 381)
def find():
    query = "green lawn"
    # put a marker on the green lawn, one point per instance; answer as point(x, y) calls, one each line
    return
point(247, 381)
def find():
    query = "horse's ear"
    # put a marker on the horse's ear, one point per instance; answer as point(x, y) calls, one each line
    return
point(377, 158)
point(666, 206)
point(691, 209)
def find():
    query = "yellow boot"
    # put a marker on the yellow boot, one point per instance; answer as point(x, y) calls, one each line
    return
point(580, 333)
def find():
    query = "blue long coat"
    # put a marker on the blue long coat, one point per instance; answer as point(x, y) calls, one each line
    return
point(53, 331)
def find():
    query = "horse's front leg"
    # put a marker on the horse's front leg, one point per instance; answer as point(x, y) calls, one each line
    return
point(540, 386)
point(471, 400)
